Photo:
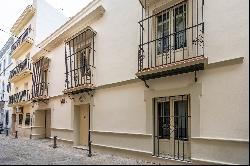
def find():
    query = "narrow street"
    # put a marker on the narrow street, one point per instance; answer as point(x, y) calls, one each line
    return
point(26, 152)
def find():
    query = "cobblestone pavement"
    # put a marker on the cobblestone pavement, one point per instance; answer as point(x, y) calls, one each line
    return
point(23, 151)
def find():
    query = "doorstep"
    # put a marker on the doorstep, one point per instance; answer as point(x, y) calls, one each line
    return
point(81, 147)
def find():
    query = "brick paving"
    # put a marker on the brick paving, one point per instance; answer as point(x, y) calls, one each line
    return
point(23, 151)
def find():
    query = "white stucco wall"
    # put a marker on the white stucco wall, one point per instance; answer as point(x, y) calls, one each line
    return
point(226, 29)
point(117, 41)
point(120, 109)
point(48, 19)
point(56, 74)
point(225, 106)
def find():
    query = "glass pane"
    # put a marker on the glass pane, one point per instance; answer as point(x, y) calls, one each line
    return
point(180, 26)
point(164, 120)
point(162, 33)
point(181, 119)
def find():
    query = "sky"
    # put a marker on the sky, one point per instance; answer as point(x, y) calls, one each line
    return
point(10, 10)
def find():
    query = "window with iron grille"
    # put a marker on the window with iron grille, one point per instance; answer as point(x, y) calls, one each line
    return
point(39, 78)
point(79, 58)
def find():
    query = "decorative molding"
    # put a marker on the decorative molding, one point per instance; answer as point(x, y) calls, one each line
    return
point(62, 129)
point(211, 162)
point(120, 133)
point(223, 63)
point(220, 139)
point(119, 148)
point(65, 140)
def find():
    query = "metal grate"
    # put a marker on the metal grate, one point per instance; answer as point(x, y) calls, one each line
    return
point(79, 59)
point(20, 97)
point(39, 79)
point(172, 34)
point(172, 124)
point(20, 67)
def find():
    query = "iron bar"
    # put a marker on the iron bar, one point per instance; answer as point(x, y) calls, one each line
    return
point(79, 59)
point(55, 144)
point(172, 45)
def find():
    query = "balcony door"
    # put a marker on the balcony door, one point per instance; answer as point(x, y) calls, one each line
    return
point(172, 127)
point(171, 35)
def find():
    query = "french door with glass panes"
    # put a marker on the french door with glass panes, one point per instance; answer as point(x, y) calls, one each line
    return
point(171, 33)
point(172, 127)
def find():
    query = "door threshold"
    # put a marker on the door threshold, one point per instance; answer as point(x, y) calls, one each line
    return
point(81, 147)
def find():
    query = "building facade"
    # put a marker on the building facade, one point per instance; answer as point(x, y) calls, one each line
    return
point(29, 29)
point(167, 79)
point(5, 68)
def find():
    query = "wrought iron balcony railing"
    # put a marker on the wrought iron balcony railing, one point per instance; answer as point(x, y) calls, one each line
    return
point(25, 65)
point(169, 36)
point(20, 97)
point(21, 39)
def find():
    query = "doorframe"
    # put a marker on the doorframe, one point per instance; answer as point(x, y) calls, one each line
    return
point(171, 100)
point(45, 124)
point(77, 132)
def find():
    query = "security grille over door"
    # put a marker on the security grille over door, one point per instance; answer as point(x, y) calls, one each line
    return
point(172, 127)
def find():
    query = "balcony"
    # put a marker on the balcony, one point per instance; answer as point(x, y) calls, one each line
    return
point(79, 61)
point(23, 43)
point(19, 99)
point(21, 71)
point(25, 17)
point(171, 38)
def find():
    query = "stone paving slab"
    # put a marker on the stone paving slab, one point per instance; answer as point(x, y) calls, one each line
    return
point(23, 151)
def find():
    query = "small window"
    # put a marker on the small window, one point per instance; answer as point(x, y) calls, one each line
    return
point(27, 119)
point(20, 119)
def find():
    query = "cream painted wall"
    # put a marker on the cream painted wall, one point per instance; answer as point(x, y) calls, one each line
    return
point(56, 74)
point(120, 109)
point(224, 102)
point(46, 13)
point(226, 29)
point(21, 84)
point(61, 114)
point(117, 41)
